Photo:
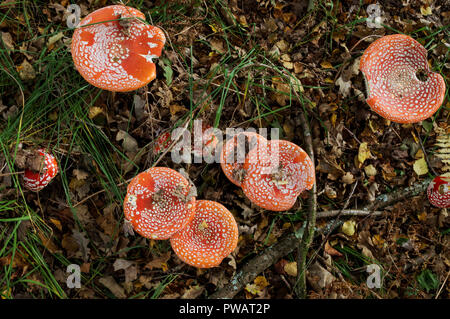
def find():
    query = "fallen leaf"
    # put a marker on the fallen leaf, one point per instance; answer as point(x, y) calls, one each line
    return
point(331, 251)
point(370, 170)
point(26, 71)
point(363, 153)
point(291, 268)
point(193, 292)
point(348, 178)
point(420, 166)
point(426, 11)
point(344, 86)
point(319, 277)
point(7, 40)
point(110, 283)
point(326, 65)
point(349, 227)
point(128, 266)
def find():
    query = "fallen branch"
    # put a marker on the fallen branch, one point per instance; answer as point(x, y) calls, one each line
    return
point(288, 243)
point(348, 212)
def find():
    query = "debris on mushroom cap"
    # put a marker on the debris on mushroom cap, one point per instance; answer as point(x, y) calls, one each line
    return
point(276, 177)
point(116, 55)
point(234, 153)
point(439, 192)
point(400, 85)
point(210, 237)
point(159, 203)
point(37, 180)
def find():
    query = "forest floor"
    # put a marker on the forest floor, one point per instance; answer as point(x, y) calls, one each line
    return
point(252, 63)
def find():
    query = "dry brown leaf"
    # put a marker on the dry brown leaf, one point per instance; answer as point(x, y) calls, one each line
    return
point(110, 283)
point(26, 71)
point(193, 292)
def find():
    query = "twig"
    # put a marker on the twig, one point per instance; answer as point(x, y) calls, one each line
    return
point(307, 238)
point(443, 285)
point(388, 199)
point(348, 212)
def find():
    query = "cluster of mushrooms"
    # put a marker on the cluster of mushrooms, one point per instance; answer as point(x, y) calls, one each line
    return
point(272, 174)
point(113, 49)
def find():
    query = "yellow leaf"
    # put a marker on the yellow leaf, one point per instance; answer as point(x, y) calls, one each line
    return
point(370, 170)
point(349, 227)
point(422, 216)
point(426, 11)
point(326, 65)
point(252, 288)
point(377, 240)
point(215, 28)
point(363, 153)
point(94, 111)
point(291, 269)
point(261, 282)
point(420, 166)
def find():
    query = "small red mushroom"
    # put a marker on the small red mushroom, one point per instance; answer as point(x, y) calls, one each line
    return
point(276, 178)
point(210, 237)
point(439, 192)
point(400, 85)
point(235, 151)
point(159, 202)
point(113, 50)
point(162, 143)
point(37, 180)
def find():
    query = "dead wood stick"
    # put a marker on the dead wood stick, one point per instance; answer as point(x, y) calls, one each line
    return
point(348, 212)
point(308, 237)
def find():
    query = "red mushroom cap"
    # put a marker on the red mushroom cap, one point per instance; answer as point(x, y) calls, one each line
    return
point(392, 66)
point(159, 203)
point(276, 186)
point(35, 181)
point(162, 143)
point(210, 237)
point(439, 192)
point(116, 55)
point(231, 162)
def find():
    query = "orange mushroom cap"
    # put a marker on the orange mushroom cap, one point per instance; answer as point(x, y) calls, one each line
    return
point(438, 192)
point(401, 87)
point(276, 186)
point(162, 143)
point(116, 55)
point(210, 237)
point(158, 203)
point(35, 181)
point(231, 162)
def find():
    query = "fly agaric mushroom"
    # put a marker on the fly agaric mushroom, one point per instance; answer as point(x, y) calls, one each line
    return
point(210, 237)
point(439, 192)
point(400, 85)
point(276, 177)
point(47, 168)
point(114, 50)
point(159, 202)
point(234, 153)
